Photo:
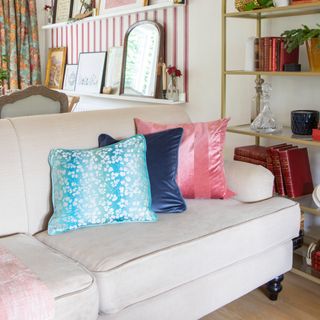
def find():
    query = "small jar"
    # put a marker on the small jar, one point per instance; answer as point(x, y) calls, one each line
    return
point(303, 121)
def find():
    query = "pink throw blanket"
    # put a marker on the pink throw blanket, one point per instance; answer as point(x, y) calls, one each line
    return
point(22, 295)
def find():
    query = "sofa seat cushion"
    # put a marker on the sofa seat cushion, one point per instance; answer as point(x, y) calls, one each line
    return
point(137, 261)
point(71, 285)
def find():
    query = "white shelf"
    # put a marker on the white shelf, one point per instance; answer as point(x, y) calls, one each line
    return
point(112, 14)
point(122, 98)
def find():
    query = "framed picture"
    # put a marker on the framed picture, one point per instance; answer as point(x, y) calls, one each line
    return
point(113, 70)
point(80, 7)
point(62, 10)
point(70, 77)
point(55, 68)
point(107, 6)
point(90, 72)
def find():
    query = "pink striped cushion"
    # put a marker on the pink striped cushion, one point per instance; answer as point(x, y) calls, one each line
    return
point(22, 295)
point(201, 170)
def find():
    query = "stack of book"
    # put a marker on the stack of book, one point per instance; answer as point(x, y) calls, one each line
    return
point(289, 164)
point(270, 54)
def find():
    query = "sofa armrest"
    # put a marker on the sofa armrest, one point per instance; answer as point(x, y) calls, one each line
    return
point(250, 182)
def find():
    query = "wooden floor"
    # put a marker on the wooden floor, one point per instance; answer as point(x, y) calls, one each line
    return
point(299, 300)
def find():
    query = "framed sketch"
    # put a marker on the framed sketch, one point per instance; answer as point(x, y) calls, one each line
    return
point(55, 68)
point(70, 77)
point(107, 6)
point(62, 10)
point(91, 72)
point(113, 70)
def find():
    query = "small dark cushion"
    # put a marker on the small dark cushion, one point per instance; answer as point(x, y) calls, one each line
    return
point(162, 162)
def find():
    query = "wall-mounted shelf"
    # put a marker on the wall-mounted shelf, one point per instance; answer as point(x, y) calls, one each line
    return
point(278, 12)
point(121, 98)
point(124, 12)
point(273, 73)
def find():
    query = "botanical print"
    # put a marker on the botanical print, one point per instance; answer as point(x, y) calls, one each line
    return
point(20, 43)
point(56, 69)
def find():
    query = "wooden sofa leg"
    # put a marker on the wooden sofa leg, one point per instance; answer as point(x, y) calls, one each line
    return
point(274, 287)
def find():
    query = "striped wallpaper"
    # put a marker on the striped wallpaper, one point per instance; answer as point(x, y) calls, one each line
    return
point(100, 35)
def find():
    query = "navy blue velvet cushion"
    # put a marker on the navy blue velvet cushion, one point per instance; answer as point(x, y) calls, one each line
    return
point(162, 162)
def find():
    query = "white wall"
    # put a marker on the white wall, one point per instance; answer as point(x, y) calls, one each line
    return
point(205, 73)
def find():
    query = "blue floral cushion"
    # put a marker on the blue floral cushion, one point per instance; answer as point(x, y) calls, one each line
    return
point(100, 186)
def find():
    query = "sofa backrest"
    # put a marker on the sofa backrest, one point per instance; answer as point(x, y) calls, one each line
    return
point(13, 211)
point(35, 136)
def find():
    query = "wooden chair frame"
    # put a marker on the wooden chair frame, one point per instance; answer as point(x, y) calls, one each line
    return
point(32, 91)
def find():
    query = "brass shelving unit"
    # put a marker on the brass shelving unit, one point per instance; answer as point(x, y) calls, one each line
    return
point(306, 202)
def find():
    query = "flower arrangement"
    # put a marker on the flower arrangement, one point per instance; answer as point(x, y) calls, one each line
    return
point(47, 8)
point(172, 90)
point(174, 72)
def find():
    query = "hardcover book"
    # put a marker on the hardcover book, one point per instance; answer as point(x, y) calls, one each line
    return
point(252, 152)
point(296, 172)
point(277, 168)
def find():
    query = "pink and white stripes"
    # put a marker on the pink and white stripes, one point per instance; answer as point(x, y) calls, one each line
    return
point(100, 35)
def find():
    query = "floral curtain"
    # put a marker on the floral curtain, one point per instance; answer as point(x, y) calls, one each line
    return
point(19, 42)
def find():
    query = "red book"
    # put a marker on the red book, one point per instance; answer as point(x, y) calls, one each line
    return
point(269, 157)
point(252, 152)
point(250, 160)
point(296, 171)
point(266, 53)
point(256, 54)
point(287, 58)
point(277, 168)
point(274, 54)
point(261, 54)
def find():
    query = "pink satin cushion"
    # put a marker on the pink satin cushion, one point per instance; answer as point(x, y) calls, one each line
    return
point(201, 168)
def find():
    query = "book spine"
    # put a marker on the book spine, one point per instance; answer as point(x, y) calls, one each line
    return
point(266, 54)
point(274, 55)
point(261, 54)
point(250, 160)
point(285, 168)
point(270, 59)
point(277, 172)
point(281, 62)
point(278, 47)
point(256, 54)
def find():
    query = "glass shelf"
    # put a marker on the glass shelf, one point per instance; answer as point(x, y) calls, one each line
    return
point(301, 268)
point(285, 136)
point(273, 73)
point(279, 12)
point(307, 205)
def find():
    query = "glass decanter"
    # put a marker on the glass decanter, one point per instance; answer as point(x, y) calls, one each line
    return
point(265, 122)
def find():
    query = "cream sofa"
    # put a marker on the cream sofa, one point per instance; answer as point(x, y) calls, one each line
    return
point(182, 267)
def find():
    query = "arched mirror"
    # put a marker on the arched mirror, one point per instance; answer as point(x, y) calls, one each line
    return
point(142, 60)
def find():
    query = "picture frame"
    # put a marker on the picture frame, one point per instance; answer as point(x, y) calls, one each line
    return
point(91, 71)
point(55, 67)
point(70, 77)
point(109, 6)
point(79, 11)
point(62, 10)
point(114, 69)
